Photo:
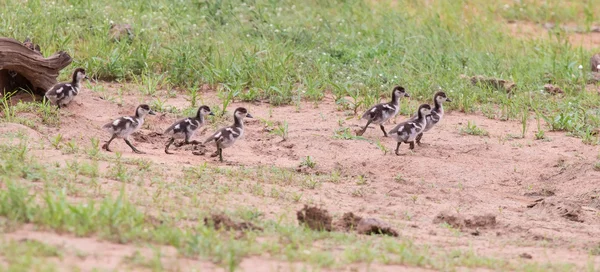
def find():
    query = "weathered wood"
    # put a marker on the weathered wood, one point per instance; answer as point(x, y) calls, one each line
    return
point(39, 72)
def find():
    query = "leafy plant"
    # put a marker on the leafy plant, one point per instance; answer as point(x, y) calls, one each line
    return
point(281, 130)
point(473, 129)
point(308, 162)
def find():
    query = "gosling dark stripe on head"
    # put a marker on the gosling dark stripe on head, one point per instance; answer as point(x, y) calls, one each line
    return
point(227, 136)
point(63, 93)
point(124, 126)
point(380, 113)
point(186, 128)
point(407, 132)
point(437, 113)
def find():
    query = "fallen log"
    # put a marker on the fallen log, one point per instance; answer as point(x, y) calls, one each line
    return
point(22, 67)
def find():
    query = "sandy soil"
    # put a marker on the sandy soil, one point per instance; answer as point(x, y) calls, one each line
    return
point(462, 175)
point(530, 30)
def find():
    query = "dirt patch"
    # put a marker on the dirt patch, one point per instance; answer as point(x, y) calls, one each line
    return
point(12, 129)
point(456, 221)
point(370, 226)
point(151, 137)
point(460, 222)
point(490, 82)
point(542, 192)
point(314, 218)
point(553, 90)
point(563, 208)
point(222, 221)
point(348, 222)
point(473, 174)
point(481, 221)
point(365, 226)
point(577, 36)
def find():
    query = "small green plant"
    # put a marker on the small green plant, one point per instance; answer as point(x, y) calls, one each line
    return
point(524, 118)
point(595, 250)
point(227, 94)
point(597, 166)
point(72, 147)
point(472, 129)
point(281, 130)
point(346, 133)
point(94, 148)
point(7, 110)
point(193, 95)
point(308, 162)
point(56, 141)
point(382, 147)
point(399, 179)
point(296, 196)
point(358, 192)
point(311, 182)
point(361, 180)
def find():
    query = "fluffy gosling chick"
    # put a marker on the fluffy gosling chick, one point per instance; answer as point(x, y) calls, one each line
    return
point(437, 113)
point(124, 126)
point(380, 113)
point(227, 136)
point(406, 132)
point(186, 128)
point(62, 93)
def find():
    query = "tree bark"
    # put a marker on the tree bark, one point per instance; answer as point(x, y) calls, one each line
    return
point(33, 71)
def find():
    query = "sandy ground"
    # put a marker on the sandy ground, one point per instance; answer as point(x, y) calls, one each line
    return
point(523, 29)
point(543, 194)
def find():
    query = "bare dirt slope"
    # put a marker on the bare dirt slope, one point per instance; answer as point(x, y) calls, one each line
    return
point(544, 194)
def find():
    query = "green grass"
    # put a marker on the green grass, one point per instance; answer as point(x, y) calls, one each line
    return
point(472, 129)
point(67, 201)
point(28, 255)
point(282, 50)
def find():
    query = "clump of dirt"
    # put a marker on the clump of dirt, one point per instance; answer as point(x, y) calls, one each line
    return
point(592, 198)
point(562, 208)
point(120, 31)
point(315, 218)
point(222, 221)
point(365, 226)
point(152, 137)
point(459, 222)
point(348, 222)
point(553, 90)
point(593, 78)
point(542, 192)
point(153, 220)
point(496, 83)
point(198, 150)
point(369, 226)
point(525, 255)
point(481, 221)
point(456, 221)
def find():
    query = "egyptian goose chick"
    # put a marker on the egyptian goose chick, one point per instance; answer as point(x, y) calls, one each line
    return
point(62, 93)
point(406, 132)
point(380, 113)
point(226, 137)
point(436, 113)
point(186, 128)
point(124, 126)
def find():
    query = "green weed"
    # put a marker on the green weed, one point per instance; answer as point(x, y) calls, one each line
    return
point(472, 129)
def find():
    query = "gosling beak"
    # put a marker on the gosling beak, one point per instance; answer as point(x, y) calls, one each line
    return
point(448, 99)
point(87, 77)
point(248, 115)
point(211, 113)
point(406, 94)
point(151, 112)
